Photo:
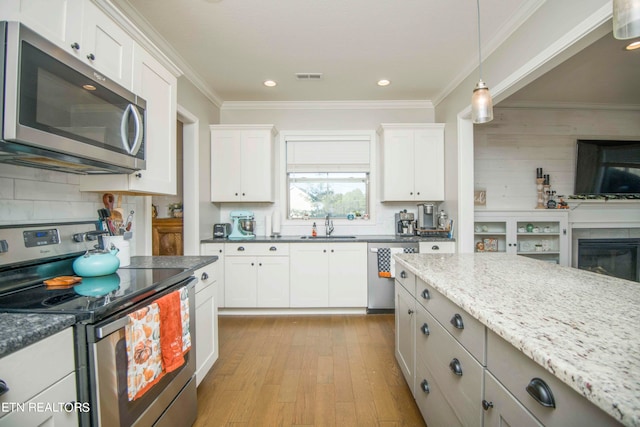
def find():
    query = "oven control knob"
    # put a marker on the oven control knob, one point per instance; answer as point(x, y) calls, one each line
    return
point(4, 246)
point(78, 237)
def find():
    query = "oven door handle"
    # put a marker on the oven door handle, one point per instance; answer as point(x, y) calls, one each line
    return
point(110, 328)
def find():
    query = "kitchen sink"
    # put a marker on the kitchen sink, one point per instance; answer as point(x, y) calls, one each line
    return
point(337, 236)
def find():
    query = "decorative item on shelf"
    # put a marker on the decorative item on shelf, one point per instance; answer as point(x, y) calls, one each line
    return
point(479, 246)
point(540, 180)
point(154, 211)
point(562, 204)
point(490, 244)
point(538, 247)
point(522, 229)
point(529, 228)
point(480, 197)
point(175, 210)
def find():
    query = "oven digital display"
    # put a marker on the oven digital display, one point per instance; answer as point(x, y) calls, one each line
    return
point(34, 238)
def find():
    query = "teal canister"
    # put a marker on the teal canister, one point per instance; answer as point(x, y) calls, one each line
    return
point(96, 263)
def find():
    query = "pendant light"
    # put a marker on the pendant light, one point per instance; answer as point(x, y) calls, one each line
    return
point(626, 19)
point(481, 102)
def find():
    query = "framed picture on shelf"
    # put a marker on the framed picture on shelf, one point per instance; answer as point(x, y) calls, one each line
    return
point(490, 244)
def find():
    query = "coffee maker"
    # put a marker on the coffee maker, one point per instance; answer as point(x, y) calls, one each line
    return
point(427, 216)
point(405, 222)
point(243, 225)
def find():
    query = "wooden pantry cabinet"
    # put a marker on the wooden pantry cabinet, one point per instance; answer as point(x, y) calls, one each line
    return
point(540, 234)
point(242, 163)
point(412, 161)
point(167, 236)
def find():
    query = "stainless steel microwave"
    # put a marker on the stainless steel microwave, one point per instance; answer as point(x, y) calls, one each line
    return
point(59, 113)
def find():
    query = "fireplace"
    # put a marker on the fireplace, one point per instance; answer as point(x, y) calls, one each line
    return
point(613, 257)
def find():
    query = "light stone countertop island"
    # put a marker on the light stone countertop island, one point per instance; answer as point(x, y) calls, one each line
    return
point(582, 327)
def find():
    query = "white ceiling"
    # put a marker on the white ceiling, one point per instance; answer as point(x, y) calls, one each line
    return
point(425, 47)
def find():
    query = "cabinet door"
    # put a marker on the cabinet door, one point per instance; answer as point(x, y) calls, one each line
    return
point(309, 275)
point(107, 47)
point(273, 281)
point(348, 275)
point(256, 166)
point(59, 21)
point(225, 166)
point(206, 329)
point(240, 281)
point(405, 337)
point(158, 87)
point(502, 408)
point(428, 156)
point(398, 161)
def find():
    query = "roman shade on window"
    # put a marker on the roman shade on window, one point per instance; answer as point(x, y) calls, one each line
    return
point(328, 154)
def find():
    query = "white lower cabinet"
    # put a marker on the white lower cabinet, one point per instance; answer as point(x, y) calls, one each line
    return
point(38, 375)
point(405, 338)
point(328, 274)
point(206, 319)
point(256, 275)
point(502, 409)
point(216, 249)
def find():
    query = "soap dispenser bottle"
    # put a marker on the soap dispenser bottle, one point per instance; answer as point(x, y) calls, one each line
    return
point(314, 230)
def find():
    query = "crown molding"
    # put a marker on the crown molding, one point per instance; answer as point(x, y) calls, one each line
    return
point(327, 105)
point(534, 105)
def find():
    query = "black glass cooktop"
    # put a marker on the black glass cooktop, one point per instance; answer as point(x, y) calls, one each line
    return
point(95, 297)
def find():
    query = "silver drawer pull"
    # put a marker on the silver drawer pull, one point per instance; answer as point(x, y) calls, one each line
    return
point(456, 367)
point(424, 385)
point(457, 322)
point(541, 392)
point(273, 248)
point(435, 248)
point(240, 248)
point(425, 294)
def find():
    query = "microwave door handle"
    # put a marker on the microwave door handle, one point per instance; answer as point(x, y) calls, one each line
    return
point(124, 130)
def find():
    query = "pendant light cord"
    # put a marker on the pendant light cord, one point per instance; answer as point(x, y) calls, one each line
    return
point(479, 44)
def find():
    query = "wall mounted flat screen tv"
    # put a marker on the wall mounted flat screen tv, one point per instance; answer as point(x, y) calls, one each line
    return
point(607, 167)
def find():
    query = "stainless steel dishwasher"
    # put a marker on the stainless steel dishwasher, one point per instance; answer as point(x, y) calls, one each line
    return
point(380, 293)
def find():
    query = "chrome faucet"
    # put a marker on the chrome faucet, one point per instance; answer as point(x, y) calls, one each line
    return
point(328, 225)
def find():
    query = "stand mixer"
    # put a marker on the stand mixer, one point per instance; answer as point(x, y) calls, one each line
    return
point(243, 225)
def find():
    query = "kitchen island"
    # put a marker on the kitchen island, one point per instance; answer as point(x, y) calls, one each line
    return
point(581, 327)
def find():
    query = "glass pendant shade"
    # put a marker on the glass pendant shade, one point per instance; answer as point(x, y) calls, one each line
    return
point(481, 104)
point(626, 19)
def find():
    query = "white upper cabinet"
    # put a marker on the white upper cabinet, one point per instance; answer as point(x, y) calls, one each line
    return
point(412, 162)
point(242, 162)
point(158, 87)
point(82, 29)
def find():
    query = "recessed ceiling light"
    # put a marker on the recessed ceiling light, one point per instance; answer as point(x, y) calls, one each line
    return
point(633, 45)
point(384, 82)
point(269, 83)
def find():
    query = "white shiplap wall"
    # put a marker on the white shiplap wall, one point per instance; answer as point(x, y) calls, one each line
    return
point(509, 149)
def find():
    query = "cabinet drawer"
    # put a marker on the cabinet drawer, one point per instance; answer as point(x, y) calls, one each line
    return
point(256, 249)
point(32, 369)
point(212, 249)
point(406, 278)
point(505, 409)
point(437, 247)
point(456, 371)
point(515, 371)
point(206, 275)
point(433, 406)
point(464, 328)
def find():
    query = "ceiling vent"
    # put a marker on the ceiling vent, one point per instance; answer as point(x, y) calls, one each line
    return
point(309, 76)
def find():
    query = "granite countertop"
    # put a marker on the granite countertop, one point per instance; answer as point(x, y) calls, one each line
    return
point(582, 327)
point(181, 262)
point(19, 330)
point(382, 238)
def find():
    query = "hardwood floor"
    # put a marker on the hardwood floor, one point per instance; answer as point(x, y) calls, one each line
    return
point(306, 371)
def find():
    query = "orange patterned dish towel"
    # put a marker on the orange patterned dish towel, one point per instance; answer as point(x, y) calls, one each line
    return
point(144, 360)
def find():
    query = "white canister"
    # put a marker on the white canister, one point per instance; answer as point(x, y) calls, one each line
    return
point(267, 225)
point(124, 249)
point(275, 226)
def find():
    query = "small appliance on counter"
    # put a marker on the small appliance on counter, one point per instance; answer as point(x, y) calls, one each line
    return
point(244, 225)
point(405, 223)
point(427, 216)
point(222, 230)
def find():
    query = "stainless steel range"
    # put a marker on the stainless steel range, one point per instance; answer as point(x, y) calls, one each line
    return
point(34, 253)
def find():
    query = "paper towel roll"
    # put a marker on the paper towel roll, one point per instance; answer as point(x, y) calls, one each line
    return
point(275, 223)
point(267, 225)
